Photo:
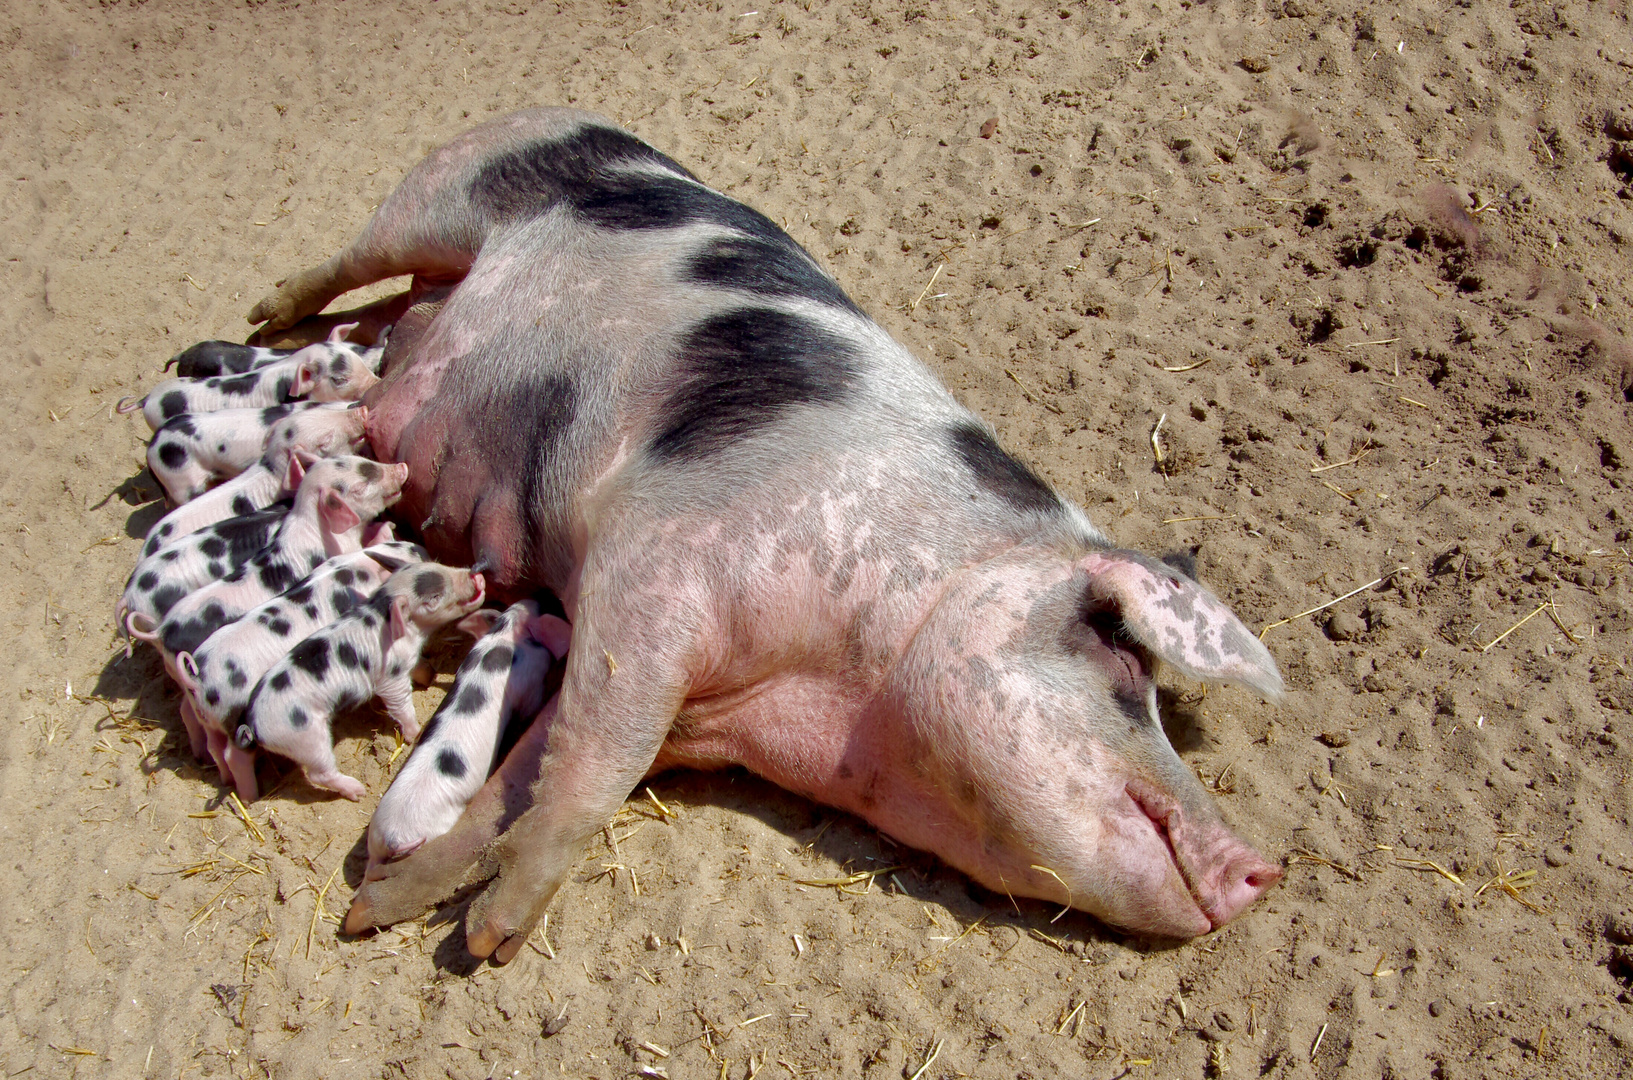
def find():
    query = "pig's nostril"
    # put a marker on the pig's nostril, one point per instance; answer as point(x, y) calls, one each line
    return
point(1254, 882)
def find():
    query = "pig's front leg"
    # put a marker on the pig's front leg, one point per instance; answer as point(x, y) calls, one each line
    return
point(617, 703)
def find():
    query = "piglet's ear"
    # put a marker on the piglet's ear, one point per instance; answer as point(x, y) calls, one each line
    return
point(338, 515)
point(1181, 621)
point(399, 619)
point(341, 332)
point(306, 378)
point(294, 472)
point(552, 632)
point(478, 623)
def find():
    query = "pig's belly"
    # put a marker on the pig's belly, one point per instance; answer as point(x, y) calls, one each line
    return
point(806, 734)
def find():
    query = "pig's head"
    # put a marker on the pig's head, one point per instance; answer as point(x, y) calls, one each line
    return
point(367, 570)
point(344, 492)
point(431, 595)
point(329, 431)
point(342, 376)
point(1030, 693)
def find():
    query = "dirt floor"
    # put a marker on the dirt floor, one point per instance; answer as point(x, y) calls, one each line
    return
point(1364, 267)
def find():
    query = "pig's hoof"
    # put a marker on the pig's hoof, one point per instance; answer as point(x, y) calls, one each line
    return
point(502, 918)
point(340, 784)
point(408, 887)
point(298, 296)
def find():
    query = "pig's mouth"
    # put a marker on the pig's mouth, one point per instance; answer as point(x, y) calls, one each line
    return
point(1157, 812)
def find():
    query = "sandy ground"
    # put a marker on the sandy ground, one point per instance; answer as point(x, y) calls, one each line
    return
point(1369, 265)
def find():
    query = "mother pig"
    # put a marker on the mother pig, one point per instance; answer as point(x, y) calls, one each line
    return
point(780, 541)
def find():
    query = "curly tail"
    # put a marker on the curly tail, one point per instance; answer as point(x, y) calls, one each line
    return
point(129, 404)
point(244, 735)
point(187, 673)
point(149, 635)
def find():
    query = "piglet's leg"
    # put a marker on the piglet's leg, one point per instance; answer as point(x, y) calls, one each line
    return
point(398, 695)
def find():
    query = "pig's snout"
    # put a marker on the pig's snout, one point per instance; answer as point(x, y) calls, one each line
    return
point(1223, 873)
point(479, 590)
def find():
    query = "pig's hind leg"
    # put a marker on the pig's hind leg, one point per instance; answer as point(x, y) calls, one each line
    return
point(430, 226)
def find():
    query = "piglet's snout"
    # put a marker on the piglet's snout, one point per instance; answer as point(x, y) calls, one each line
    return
point(1224, 873)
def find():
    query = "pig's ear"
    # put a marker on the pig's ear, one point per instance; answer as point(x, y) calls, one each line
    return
point(341, 331)
point(399, 618)
point(306, 378)
point(338, 515)
point(478, 623)
point(1180, 621)
point(294, 472)
point(552, 632)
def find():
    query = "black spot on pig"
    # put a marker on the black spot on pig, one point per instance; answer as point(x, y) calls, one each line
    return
point(280, 627)
point(428, 732)
point(343, 601)
point(148, 581)
point(237, 385)
point(273, 413)
point(300, 594)
point(247, 534)
point(166, 597)
point(497, 659)
point(368, 470)
point(209, 358)
point(1001, 474)
point(298, 718)
point(173, 404)
point(212, 547)
point(169, 556)
point(212, 696)
point(428, 585)
point(767, 268)
point(451, 763)
point(275, 575)
point(172, 455)
point(742, 370)
point(534, 177)
point(183, 425)
point(633, 201)
point(188, 635)
point(237, 680)
point(241, 505)
point(279, 681)
point(281, 390)
point(346, 656)
point(344, 576)
point(470, 701)
point(312, 657)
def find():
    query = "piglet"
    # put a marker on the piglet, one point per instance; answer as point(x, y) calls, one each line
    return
point(340, 378)
point(210, 358)
point(219, 674)
point(501, 683)
point(196, 450)
point(163, 578)
point(293, 443)
point(365, 654)
point(336, 498)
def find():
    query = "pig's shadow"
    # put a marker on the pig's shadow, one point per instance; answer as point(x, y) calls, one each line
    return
point(851, 845)
point(143, 494)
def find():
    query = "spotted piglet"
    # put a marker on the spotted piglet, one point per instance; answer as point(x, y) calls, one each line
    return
point(219, 675)
point(337, 497)
point(187, 590)
point(293, 443)
point(343, 377)
point(195, 450)
point(210, 358)
point(500, 683)
point(365, 654)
